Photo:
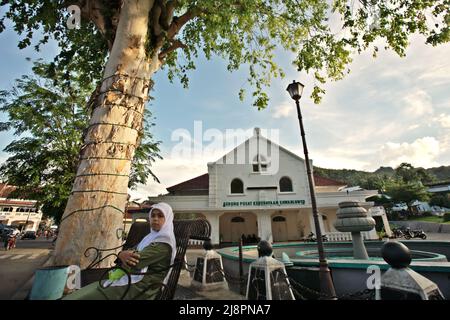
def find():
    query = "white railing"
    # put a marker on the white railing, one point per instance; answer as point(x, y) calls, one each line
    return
point(344, 236)
point(195, 242)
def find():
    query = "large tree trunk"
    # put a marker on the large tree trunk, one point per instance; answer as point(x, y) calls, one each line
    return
point(95, 209)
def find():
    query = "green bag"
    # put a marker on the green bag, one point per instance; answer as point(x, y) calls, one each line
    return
point(116, 274)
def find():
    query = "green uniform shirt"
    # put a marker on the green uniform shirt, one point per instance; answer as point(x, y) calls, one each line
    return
point(155, 256)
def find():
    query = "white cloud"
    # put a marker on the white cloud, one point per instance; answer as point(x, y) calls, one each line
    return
point(437, 75)
point(418, 103)
point(284, 110)
point(444, 120)
point(422, 152)
point(413, 127)
point(170, 171)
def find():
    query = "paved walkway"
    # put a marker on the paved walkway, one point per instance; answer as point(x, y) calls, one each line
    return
point(186, 292)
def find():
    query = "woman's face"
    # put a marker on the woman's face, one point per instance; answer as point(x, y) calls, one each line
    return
point(157, 219)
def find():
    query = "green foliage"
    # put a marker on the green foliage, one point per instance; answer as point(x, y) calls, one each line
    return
point(441, 200)
point(377, 180)
point(441, 173)
point(427, 214)
point(47, 112)
point(446, 217)
point(245, 33)
point(407, 192)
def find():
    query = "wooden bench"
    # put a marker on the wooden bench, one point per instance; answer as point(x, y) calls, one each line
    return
point(184, 230)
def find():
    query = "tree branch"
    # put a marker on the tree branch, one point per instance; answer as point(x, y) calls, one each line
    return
point(179, 22)
point(167, 14)
point(93, 10)
point(175, 45)
point(156, 14)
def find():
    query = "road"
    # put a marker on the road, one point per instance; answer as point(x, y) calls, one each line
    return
point(18, 265)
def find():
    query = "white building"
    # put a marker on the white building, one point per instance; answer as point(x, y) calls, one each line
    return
point(18, 212)
point(266, 195)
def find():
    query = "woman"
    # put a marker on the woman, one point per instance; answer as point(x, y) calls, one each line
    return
point(154, 255)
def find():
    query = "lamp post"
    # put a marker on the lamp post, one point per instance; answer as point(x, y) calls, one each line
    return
point(295, 89)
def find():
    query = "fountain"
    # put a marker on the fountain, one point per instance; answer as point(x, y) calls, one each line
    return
point(351, 217)
point(349, 262)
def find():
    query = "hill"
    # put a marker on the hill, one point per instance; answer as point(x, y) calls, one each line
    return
point(361, 178)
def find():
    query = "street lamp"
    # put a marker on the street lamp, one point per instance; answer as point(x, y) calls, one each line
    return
point(295, 89)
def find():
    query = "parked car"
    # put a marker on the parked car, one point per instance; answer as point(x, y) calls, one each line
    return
point(29, 235)
point(400, 207)
point(7, 231)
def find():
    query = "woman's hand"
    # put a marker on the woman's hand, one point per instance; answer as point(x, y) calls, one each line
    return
point(129, 258)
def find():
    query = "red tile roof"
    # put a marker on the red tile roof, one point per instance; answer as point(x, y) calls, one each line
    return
point(202, 183)
point(320, 181)
point(197, 183)
point(18, 203)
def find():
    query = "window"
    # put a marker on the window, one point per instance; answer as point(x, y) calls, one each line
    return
point(237, 186)
point(285, 185)
point(260, 163)
point(7, 209)
point(237, 219)
point(278, 219)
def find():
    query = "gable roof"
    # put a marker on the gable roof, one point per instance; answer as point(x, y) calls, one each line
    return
point(202, 183)
point(197, 183)
point(320, 181)
point(258, 135)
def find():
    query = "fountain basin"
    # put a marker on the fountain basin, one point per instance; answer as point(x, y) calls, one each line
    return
point(349, 275)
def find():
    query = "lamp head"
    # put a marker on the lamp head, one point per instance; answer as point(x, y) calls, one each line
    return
point(295, 89)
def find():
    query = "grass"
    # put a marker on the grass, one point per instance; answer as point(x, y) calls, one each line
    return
point(429, 219)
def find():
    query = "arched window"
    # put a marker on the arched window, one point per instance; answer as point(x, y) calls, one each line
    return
point(278, 219)
point(237, 219)
point(237, 186)
point(285, 185)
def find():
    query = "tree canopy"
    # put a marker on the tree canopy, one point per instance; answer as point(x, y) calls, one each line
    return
point(243, 32)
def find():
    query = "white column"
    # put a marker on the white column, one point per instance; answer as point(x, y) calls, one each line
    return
point(313, 226)
point(322, 227)
point(387, 228)
point(311, 222)
point(213, 219)
point(264, 226)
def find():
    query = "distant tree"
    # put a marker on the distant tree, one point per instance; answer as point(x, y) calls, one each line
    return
point(441, 200)
point(406, 173)
point(374, 182)
point(425, 176)
point(48, 112)
point(441, 173)
point(400, 191)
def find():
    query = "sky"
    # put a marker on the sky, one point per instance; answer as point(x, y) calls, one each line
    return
point(388, 110)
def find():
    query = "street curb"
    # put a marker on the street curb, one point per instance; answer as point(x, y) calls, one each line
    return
point(24, 290)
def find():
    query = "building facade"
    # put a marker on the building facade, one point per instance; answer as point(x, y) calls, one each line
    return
point(261, 189)
point(22, 213)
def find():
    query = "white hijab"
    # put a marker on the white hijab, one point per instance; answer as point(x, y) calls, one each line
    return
point(165, 235)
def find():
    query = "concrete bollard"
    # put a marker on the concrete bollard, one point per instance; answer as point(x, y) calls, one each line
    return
point(401, 282)
point(267, 277)
point(208, 274)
